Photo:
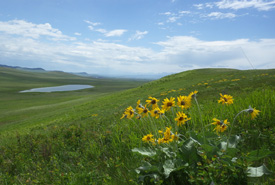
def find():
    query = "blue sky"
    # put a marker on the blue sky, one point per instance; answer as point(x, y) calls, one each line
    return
point(137, 37)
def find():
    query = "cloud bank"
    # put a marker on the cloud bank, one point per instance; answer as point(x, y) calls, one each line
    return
point(21, 45)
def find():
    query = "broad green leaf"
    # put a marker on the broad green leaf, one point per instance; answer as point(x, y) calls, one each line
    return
point(168, 153)
point(189, 144)
point(145, 151)
point(189, 152)
point(233, 141)
point(168, 167)
point(146, 167)
point(258, 171)
point(223, 145)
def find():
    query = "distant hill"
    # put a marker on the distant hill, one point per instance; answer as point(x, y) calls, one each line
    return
point(23, 68)
point(84, 74)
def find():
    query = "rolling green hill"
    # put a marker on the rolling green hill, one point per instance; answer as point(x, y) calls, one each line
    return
point(23, 110)
point(79, 138)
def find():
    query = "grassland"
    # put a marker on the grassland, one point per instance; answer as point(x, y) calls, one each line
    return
point(79, 138)
point(20, 111)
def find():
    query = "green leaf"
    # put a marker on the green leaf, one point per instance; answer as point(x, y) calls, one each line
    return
point(145, 151)
point(168, 153)
point(147, 168)
point(258, 171)
point(189, 152)
point(168, 167)
point(258, 154)
point(231, 143)
point(223, 145)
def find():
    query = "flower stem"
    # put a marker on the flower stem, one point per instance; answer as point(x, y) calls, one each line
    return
point(200, 117)
point(231, 127)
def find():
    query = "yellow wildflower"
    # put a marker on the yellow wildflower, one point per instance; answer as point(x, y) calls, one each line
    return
point(193, 94)
point(253, 112)
point(139, 105)
point(157, 112)
point(168, 103)
point(123, 116)
point(181, 118)
point(129, 112)
point(225, 99)
point(175, 136)
point(152, 101)
point(221, 126)
point(148, 138)
point(167, 135)
point(143, 111)
point(184, 102)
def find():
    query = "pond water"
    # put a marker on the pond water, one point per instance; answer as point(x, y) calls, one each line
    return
point(59, 88)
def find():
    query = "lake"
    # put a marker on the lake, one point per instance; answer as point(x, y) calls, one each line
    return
point(59, 88)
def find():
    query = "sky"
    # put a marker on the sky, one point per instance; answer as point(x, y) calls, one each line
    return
point(137, 37)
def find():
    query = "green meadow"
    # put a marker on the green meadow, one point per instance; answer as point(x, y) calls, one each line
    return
point(78, 137)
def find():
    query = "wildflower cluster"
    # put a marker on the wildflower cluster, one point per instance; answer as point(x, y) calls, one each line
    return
point(168, 136)
point(177, 148)
point(152, 109)
point(183, 102)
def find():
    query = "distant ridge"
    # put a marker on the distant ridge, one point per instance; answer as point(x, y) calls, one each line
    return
point(84, 74)
point(23, 68)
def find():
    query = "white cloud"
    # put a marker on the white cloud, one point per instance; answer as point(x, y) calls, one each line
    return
point(112, 33)
point(260, 5)
point(31, 30)
point(115, 33)
point(184, 12)
point(199, 6)
point(173, 19)
point(91, 28)
point(192, 52)
point(235, 4)
point(166, 13)
point(138, 35)
point(220, 15)
point(92, 23)
point(100, 30)
point(78, 34)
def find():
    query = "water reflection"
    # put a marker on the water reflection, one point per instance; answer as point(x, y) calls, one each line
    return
point(59, 88)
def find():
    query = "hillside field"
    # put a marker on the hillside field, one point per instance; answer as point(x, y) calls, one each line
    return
point(78, 137)
point(19, 111)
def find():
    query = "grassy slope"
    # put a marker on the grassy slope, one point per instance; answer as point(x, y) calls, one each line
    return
point(102, 151)
point(21, 110)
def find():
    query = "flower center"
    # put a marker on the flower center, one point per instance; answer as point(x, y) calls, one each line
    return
point(181, 118)
point(169, 104)
point(145, 111)
point(225, 99)
point(153, 102)
point(182, 103)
